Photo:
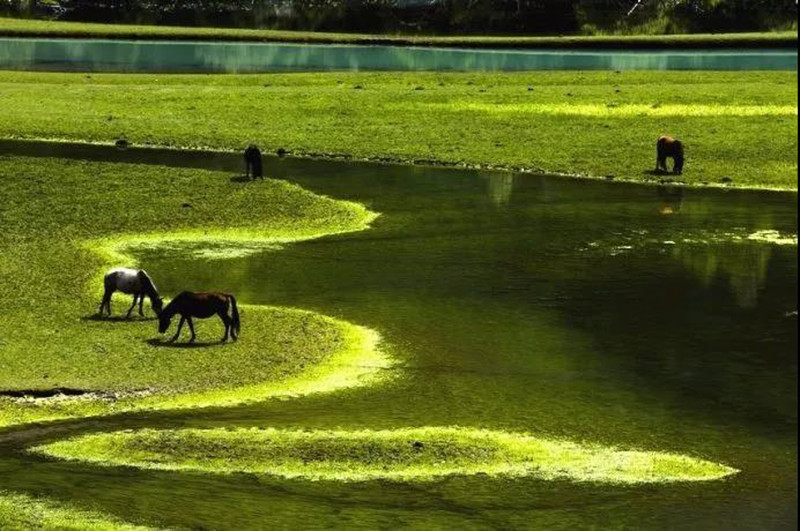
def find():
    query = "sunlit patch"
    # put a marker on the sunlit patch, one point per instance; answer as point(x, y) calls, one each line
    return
point(19, 511)
point(411, 454)
point(211, 249)
point(613, 109)
point(773, 237)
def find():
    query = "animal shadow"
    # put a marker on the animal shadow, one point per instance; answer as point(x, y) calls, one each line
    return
point(659, 173)
point(240, 179)
point(117, 318)
point(165, 343)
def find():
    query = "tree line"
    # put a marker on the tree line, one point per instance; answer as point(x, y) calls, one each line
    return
point(432, 16)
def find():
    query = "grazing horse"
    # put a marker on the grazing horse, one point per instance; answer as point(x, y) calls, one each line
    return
point(134, 282)
point(667, 147)
point(201, 305)
point(253, 162)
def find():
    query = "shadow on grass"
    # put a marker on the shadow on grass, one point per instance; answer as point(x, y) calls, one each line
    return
point(164, 343)
point(240, 179)
point(659, 173)
point(117, 318)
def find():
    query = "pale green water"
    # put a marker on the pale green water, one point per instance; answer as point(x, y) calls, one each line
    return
point(524, 303)
point(163, 56)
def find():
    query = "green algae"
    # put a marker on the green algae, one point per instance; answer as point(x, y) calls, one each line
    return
point(407, 454)
point(20, 512)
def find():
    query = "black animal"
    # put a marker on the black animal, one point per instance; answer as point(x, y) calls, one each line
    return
point(668, 147)
point(203, 306)
point(253, 162)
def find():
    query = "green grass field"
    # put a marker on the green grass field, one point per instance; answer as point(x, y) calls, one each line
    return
point(65, 223)
point(738, 126)
point(395, 455)
point(12, 27)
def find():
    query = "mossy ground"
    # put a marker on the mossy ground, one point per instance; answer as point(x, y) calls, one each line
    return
point(402, 455)
point(736, 126)
point(20, 512)
point(48, 28)
point(65, 222)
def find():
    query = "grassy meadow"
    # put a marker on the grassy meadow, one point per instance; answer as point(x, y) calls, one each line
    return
point(737, 127)
point(13, 27)
point(66, 222)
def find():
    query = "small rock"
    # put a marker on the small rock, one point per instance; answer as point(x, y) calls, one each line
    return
point(419, 88)
point(186, 205)
point(358, 87)
point(121, 143)
point(611, 176)
point(282, 152)
point(726, 180)
point(531, 89)
point(418, 445)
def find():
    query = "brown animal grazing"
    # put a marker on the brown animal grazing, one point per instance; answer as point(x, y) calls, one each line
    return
point(202, 306)
point(253, 162)
point(667, 147)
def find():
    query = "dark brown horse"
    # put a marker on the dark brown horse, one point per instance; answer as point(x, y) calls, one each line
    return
point(253, 162)
point(668, 147)
point(202, 306)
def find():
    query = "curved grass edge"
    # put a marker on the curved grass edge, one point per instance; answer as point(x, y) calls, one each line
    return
point(22, 511)
point(14, 27)
point(430, 163)
point(404, 454)
point(360, 361)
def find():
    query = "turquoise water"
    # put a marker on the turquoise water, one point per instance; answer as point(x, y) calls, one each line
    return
point(637, 316)
point(163, 56)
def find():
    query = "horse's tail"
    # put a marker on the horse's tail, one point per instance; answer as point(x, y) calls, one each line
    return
point(234, 314)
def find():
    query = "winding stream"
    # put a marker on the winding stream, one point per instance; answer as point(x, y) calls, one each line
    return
point(187, 56)
point(639, 316)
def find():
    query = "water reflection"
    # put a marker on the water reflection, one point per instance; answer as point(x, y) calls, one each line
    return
point(76, 54)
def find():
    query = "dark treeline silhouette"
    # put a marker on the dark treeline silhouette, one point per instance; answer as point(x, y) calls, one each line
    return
point(431, 16)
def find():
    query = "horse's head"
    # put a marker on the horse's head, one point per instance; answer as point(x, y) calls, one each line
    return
point(157, 304)
point(163, 322)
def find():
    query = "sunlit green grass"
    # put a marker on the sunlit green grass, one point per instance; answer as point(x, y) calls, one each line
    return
point(399, 455)
point(47, 28)
point(66, 222)
point(740, 126)
point(21, 513)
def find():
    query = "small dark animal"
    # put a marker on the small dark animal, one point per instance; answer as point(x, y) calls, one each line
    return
point(202, 306)
point(134, 282)
point(253, 162)
point(668, 147)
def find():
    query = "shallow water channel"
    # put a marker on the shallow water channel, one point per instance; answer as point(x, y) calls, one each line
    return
point(637, 316)
point(187, 56)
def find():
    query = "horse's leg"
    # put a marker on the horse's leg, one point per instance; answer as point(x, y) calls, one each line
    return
point(141, 301)
point(225, 321)
point(191, 329)
point(105, 301)
point(135, 300)
point(180, 325)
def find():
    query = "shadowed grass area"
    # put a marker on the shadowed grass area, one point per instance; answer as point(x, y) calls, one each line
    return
point(47, 28)
point(399, 455)
point(740, 128)
point(66, 222)
point(21, 512)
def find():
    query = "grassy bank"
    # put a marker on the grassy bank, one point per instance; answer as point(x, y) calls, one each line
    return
point(20, 512)
point(740, 127)
point(11, 27)
point(61, 222)
point(399, 455)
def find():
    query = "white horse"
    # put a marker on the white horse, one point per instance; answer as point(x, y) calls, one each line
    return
point(134, 282)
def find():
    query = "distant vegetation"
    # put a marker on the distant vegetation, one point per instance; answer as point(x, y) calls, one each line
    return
point(509, 17)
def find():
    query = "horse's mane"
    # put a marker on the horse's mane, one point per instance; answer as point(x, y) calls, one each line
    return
point(148, 284)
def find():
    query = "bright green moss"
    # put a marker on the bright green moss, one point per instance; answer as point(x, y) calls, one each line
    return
point(411, 454)
point(20, 513)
